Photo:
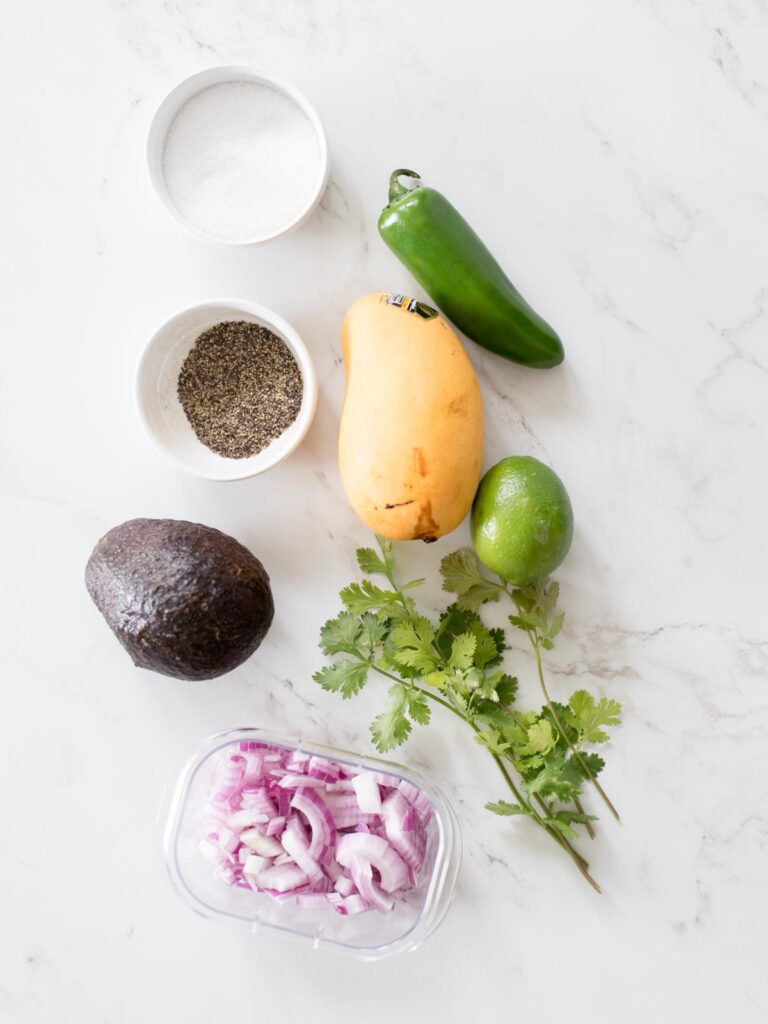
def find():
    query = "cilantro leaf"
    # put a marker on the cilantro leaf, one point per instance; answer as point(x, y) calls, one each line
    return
point(453, 622)
point(531, 738)
point(411, 584)
point(462, 651)
point(340, 634)
point(488, 713)
point(556, 625)
point(506, 689)
point(557, 779)
point(456, 698)
point(505, 808)
point(565, 722)
point(385, 546)
point(374, 564)
point(540, 597)
point(367, 597)
point(537, 611)
point(372, 633)
point(392, 727)
point(435, 679)
point(489, 643)
point(461, 575)
point(490, 646)
point(418, 708)
point(540, 737)
point(412, 645)
point(344, 677)
point(492, 740)
point(591, 716)
point(595, 763)
point(562, 820)
point(513, 725)
point(370, 562)
point(390, 662)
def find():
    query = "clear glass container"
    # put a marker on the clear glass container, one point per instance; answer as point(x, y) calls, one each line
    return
point(366, 936)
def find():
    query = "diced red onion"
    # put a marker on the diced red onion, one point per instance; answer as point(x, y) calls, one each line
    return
point(254, 767)
point(417, 800)
point(352, 905)
point(367, 793)
point(254, 865)
point(282, 878)
point(296, 824)
point(378, 853)
point(410, 843)
point(266, 846)
point(283, 802)
point(319, 768)
point(346, 810)
point(304, 828)
point(331, 867)
point(294, 781)
point(341, 786)
point(320, 819)
point(246, 819)
point(294, 846)
point(256, 798)
point(344, 885)
point(228, 841)
point(362, 876)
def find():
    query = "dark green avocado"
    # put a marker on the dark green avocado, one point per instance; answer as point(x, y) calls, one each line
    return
point(183, 599)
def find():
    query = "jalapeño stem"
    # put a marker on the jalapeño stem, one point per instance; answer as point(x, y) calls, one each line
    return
point(396, 188)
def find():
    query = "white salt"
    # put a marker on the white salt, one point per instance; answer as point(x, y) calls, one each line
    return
point(241, 160)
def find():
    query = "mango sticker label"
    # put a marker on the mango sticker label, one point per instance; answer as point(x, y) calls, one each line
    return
point(409, 305)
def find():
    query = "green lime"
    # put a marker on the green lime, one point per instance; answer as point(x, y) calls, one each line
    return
point(522, 520)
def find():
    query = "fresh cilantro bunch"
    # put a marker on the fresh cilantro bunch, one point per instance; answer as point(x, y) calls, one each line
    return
point(455, 663)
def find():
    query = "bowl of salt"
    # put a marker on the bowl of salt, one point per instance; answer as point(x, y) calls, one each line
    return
point(237, 156)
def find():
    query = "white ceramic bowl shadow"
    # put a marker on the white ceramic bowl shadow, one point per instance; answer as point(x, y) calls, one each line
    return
point(184, 91)
point(161, 412)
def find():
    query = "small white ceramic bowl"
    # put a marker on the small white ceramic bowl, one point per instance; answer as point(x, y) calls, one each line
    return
point(160, 410)
point(184, 91)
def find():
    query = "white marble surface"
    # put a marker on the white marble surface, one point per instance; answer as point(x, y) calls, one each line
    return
point(614, 154)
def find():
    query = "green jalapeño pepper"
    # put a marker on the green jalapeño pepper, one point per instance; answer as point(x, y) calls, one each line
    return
point(450, 262)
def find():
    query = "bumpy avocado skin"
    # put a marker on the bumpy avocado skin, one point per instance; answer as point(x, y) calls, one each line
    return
point(183, 599)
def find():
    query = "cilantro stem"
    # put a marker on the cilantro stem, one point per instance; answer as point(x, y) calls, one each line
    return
point(561, 840)
point(530, 811)
point(533, 637)
point(449, 707)
point(575, 856)
point(587, 824)
point(580, 862)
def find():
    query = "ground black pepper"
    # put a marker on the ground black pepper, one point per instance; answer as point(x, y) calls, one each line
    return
point(240, 388)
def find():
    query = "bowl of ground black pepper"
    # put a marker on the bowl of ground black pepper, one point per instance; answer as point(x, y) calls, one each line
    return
point(226, 389)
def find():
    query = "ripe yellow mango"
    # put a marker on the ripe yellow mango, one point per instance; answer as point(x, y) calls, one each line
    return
point(411, 435)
